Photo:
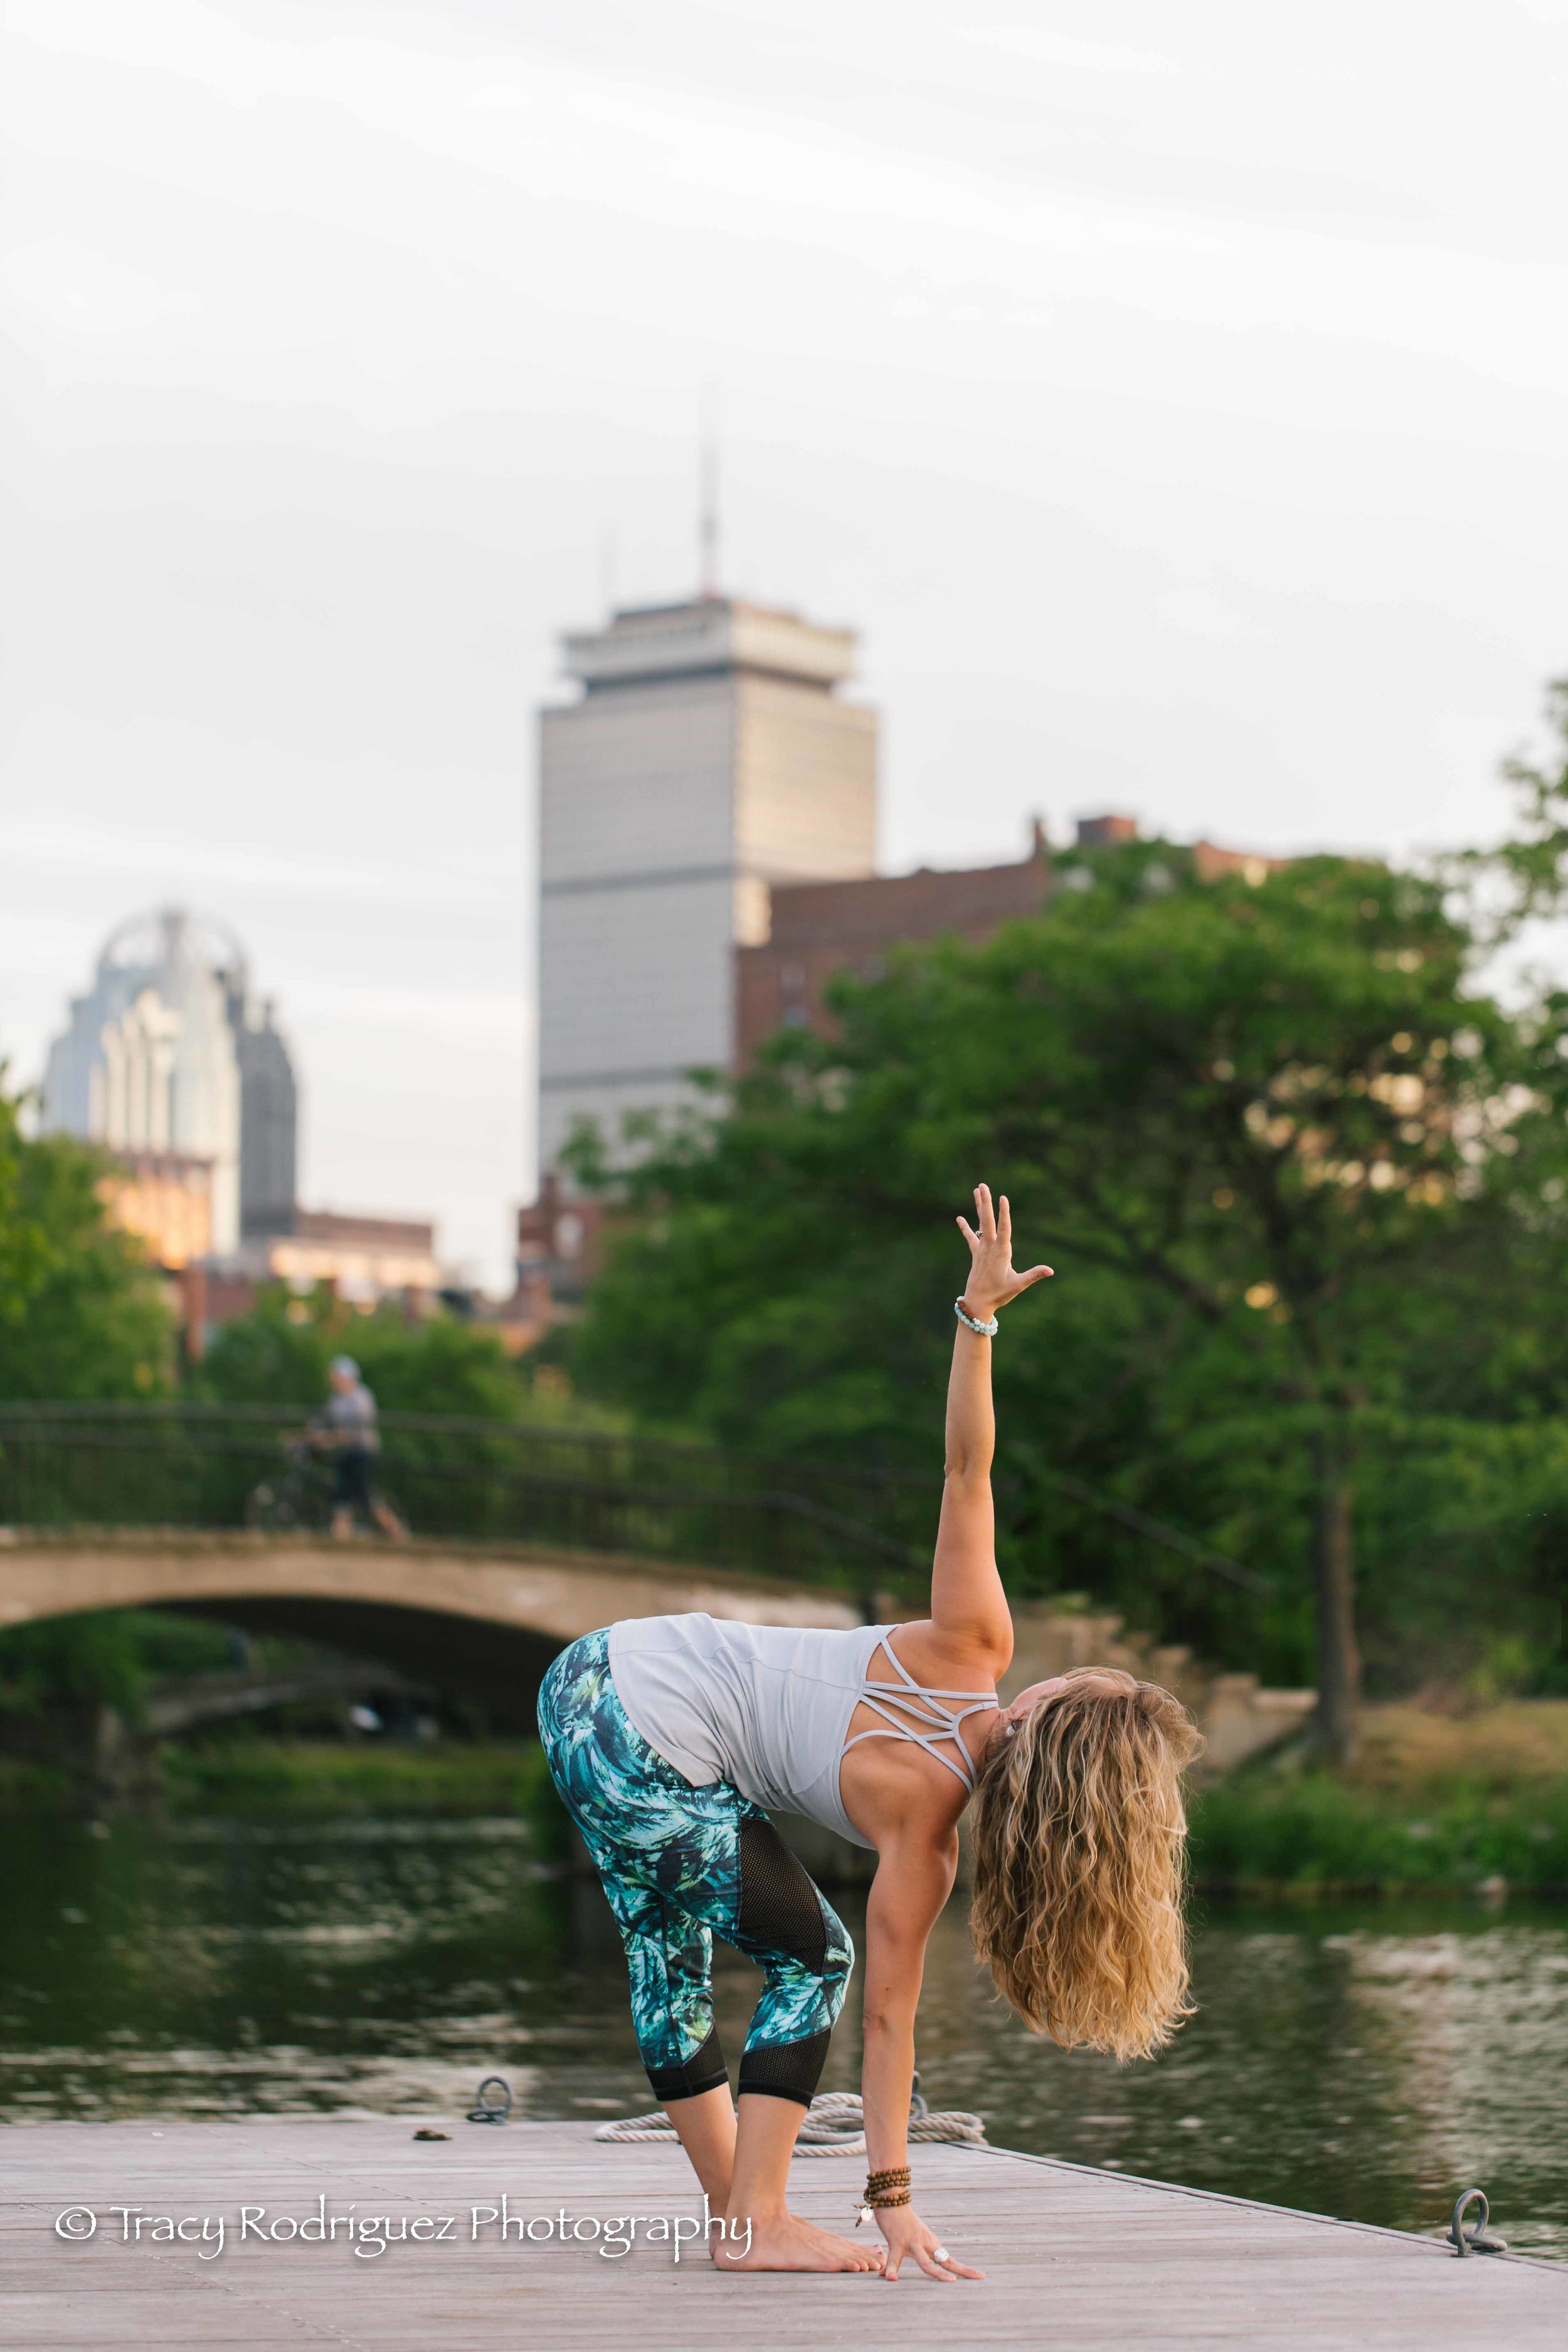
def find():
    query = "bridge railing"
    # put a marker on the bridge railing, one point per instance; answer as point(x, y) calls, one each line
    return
point(129, 1465)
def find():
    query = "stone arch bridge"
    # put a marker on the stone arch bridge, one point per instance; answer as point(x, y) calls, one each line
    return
point(487, 1618)
point(483, 1619)
point(219, 1511)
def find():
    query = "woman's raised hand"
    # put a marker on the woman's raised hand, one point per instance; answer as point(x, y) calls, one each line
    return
point(991, 1281)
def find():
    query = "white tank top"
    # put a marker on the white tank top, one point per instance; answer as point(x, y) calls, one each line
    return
point(768, 1707)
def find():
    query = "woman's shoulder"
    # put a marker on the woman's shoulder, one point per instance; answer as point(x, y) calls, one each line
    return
point(942, 1660)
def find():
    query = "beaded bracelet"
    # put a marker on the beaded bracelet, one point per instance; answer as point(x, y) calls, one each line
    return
point(884, 2189)
point(883, 2201)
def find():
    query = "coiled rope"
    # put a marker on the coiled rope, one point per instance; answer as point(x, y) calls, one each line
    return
point(834, 2126)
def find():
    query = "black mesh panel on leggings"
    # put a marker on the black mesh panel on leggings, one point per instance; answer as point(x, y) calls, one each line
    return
point(703, 2071)
point(780, 1913)
point(790, 2072)
point(779, 1907)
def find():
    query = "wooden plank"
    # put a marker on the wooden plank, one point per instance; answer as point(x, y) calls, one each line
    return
point(1092, 2260)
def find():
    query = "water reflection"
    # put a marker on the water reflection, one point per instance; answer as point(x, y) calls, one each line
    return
point(1367, 2063)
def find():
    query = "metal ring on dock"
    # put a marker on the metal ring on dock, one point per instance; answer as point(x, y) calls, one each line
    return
point(1478, 2240)
point(486, 2110)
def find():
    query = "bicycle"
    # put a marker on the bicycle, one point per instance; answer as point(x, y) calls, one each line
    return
point(299, 1496)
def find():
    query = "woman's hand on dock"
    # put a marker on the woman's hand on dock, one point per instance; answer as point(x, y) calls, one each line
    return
point(991, 1281)
point(906, 2233)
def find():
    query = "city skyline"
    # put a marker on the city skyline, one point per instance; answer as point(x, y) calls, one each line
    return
point(1176, 419)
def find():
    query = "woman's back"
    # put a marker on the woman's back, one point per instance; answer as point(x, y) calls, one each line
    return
point(771, 1708)
point(764, 1706)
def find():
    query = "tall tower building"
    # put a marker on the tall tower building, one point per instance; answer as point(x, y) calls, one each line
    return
point(707, 757)
point(169, 1052)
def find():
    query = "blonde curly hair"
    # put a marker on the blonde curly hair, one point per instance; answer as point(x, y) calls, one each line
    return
point(1080, 1838)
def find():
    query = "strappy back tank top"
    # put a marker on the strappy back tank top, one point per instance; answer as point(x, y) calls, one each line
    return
point(768, 1707)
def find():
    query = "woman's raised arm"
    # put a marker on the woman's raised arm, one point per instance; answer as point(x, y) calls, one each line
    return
point(967, 1602)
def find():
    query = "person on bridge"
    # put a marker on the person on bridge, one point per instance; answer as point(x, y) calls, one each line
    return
point(669, 1737)
point(346, 1427)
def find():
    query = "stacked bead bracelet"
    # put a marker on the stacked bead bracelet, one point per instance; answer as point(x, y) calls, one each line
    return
point(891, 2186)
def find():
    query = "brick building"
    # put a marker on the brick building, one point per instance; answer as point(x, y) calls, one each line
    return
point(364, 1260)
point(820, 928)
point(560, 1240)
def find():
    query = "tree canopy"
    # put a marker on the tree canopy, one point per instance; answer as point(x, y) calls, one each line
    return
point(278, 1354)
point(278, 1351)
point(82, 1313)
point(1305, 1185)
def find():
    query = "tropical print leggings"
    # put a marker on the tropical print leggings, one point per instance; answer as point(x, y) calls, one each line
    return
point(680, 1865)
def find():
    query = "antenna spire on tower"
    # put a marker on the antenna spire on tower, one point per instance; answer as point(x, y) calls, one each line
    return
point(708, 517)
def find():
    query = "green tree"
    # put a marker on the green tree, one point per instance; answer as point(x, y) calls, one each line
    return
point(456, 1467)
point(82, 1312)
point(85, 1660)
point(442, 1366)
point(1281, 1108)
point(81, 1317)
point(1286, 1155)
point(279, 1352)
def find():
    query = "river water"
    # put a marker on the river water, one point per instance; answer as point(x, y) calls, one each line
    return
point(1368, 2063)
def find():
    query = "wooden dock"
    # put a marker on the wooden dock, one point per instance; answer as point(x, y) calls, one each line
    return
point(1075, 2259)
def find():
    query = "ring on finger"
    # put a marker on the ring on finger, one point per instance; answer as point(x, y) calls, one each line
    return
point(940, 2255)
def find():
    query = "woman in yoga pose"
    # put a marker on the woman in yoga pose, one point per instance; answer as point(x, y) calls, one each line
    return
point(671, 1737)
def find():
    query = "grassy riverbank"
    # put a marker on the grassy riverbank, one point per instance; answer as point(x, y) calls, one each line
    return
point(1436, 1804)
point(1319, 1836)
point(335, 1776)
point(1305, 1835)
point(1434, 1801)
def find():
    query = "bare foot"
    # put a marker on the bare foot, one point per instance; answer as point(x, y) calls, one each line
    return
point(784, 2242)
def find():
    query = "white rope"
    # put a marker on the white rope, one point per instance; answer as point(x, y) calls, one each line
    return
point(834, 2126)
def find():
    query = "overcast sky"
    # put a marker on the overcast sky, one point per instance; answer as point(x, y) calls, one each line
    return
point(1173, 397)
